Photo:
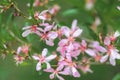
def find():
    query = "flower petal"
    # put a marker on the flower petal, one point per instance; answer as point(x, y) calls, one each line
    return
point(63, 42)
point(44, 52)
point(60, 67)
point(84, 43)
point(116, 34)
point(43, 12)
point(48, 28)
point(51, 57)
point(35, 57)
point(38, 66)
point(27, 27)
point(19, 50)
point(104, 58)
point(65, 72)
point(52, 76)
point(115, 54)
point(49, 70)
point(90, 52)
point(50, 42)
point(25, 33)
point(42, 17)
point(70, 47)
point(102, 49)
point(75, 72)
point(59, 77)
point(48, 65)
point(66, 31)
point(52, 35)
point(74, 24)
point(112, 61)
point(107, 41)
point(77, 33)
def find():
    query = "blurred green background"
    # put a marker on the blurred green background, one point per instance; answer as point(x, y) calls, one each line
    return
point(106, 10)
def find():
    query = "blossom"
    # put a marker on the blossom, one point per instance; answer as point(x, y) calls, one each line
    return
point(89, 4)
point(114, 36)
point(112, 52)
point(112, 55)
point(43, 59)
point(25, 49)
point(44, 15)
point(31, 29)
point(47, 34)
point(18, 56)
point(54, 9)
point(19, 59)
point(84, 48)
point(73, 49)
point(39, 3)
point(84, 65)
point(98, 47)
point(56, 72)
point(70, 66)
point(36, 14)
point(69, 45)
point(73, 32)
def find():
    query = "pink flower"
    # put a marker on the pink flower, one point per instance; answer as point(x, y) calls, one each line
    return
point(112, 52)
point(39, 3)
point(54, 9)
point(89, 4)
point(97, 47)
point(19, 59)
point(23, 49)
point(36, 3)
point(72, 33)
point(43, 59)
point(112, 55)
point(84, 48)
point(56, 72)
point(114, 36)
point(70, 66)
point(84, 65)
point(86, 68)
point(48, 35)
point(69, 45)
point(44, 15)
point(73, 49)
point(31, 29)
point(36, 15)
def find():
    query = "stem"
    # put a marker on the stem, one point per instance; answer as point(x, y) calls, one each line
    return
point(18, 10)
point(13, 35)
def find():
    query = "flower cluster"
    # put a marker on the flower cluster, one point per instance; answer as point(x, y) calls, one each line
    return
point(21, 54)
point(71, 54)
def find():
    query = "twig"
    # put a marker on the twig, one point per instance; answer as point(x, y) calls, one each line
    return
point(13, 35)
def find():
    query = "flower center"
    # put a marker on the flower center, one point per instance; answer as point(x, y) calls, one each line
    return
point(34, 28)
point(44, 36)
point(42, 59)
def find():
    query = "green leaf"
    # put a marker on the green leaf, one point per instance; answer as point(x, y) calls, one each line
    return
point(116, 77)
point(70, 12)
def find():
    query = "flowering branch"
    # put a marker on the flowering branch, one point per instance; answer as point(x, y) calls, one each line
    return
point(72, 53)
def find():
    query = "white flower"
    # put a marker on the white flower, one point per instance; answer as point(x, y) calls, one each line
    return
point(113, 55)
point(43, 59)
point(31, 29)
